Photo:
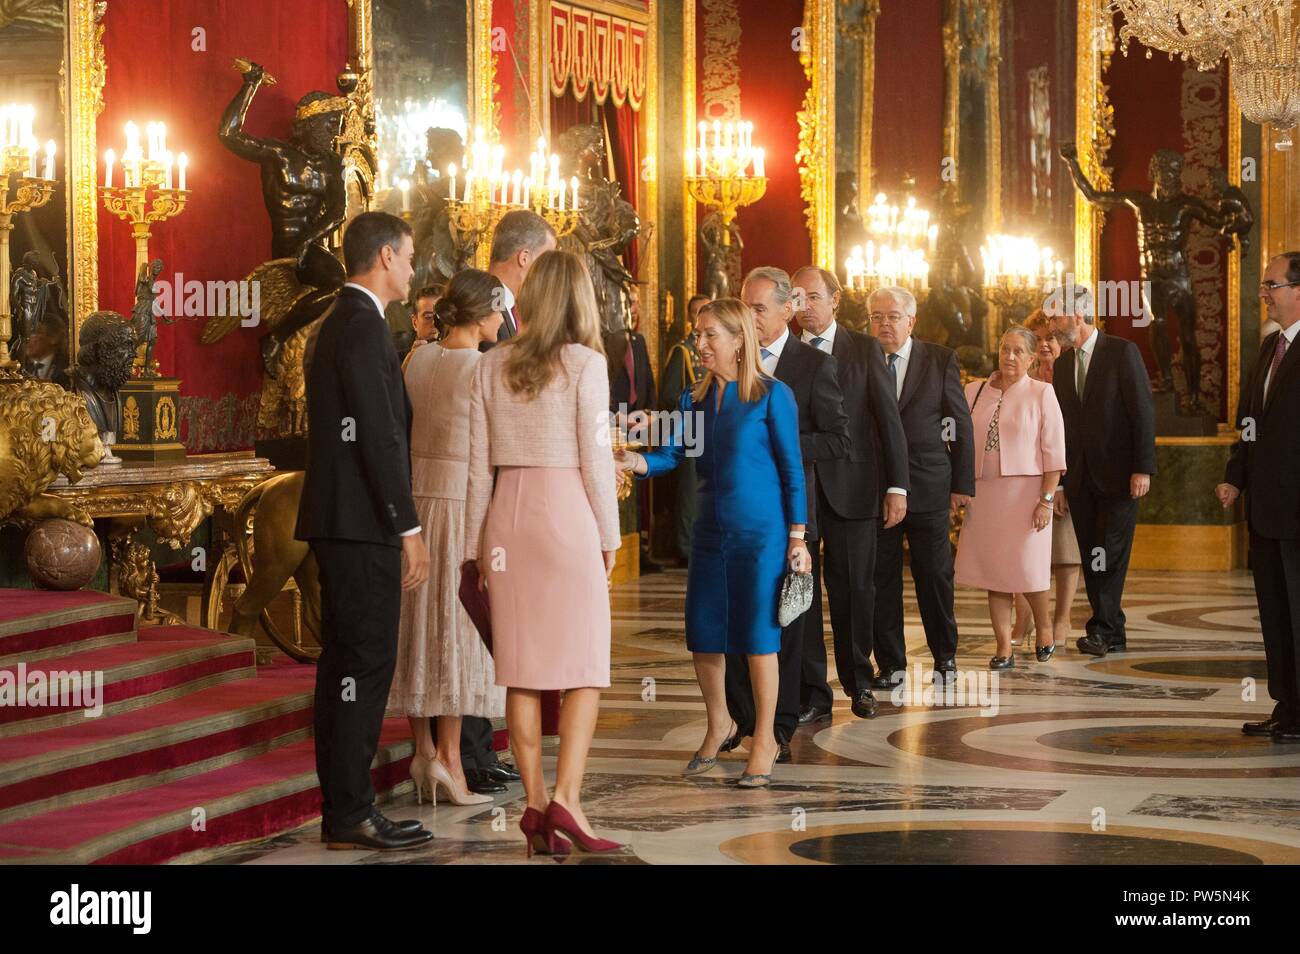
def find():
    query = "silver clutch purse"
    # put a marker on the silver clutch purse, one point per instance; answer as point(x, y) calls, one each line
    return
point(796, 597)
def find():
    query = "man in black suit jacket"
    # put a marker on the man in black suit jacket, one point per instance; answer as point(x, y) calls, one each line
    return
point(360, 520)
point(823, 436)
point(941, 476)
point(1263, 465)
point(631, 379)
point(851, 493)
point(1110, 454)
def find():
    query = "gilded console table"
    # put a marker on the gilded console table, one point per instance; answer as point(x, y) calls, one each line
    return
point(171, 498)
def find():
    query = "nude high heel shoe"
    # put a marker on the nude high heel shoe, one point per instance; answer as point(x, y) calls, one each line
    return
point(440, 778)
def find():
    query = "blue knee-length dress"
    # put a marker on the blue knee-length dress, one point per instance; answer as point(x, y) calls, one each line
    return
point(751, 488)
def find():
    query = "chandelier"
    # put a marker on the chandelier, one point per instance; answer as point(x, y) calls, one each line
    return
point(1257, 36)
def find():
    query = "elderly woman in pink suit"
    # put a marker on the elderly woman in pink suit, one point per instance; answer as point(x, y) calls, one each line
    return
point(1006, 537)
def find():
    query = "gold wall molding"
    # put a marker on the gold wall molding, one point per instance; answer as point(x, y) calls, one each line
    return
point(815, 156)
point(863, 30)
point(1094, 129)
point(958, 36)
point(1233, 370)
point(87, 72)
point(689, 263)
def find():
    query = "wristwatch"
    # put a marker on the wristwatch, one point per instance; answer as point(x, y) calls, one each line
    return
point(798, 534)
point(1046, 498)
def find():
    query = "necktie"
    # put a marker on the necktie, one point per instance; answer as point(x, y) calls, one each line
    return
point(818, 342)
point(765, 353)
point(1279, 351)
point(630, 364)
point(893, 372)
point(1080, 371)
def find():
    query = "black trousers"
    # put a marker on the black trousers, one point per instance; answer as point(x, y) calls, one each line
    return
point(361, 592)
point(1276, 567)
point(476, 750)
point(1104, 525)
point(847, 563)
point(740, 691)
point(927, 541)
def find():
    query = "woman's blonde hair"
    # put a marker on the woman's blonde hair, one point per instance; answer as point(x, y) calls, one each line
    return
point(557, 306)
point(735, 316)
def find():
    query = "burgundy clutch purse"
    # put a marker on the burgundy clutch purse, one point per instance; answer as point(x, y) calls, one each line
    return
point(475, 602)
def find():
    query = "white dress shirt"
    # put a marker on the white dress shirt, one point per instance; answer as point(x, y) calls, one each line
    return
point(379, 306)
point(774, 354)
point(827, 336)
point(900, 366)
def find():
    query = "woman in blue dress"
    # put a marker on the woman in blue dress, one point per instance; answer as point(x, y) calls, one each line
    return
point(749, 526)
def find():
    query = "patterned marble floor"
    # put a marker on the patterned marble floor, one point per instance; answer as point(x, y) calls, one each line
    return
point(1133, 759)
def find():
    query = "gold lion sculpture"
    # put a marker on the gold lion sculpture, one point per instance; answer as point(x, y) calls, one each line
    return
point(45, 432)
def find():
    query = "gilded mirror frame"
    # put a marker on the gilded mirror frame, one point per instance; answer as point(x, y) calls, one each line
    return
point(84, 87)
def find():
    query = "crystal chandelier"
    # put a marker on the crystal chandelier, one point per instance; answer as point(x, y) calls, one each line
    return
point(1258, 37)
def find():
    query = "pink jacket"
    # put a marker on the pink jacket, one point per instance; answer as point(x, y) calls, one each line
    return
point(1031, 431)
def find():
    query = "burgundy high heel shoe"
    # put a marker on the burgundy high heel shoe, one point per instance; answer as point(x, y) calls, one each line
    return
point(539, 838)
point(558, 819)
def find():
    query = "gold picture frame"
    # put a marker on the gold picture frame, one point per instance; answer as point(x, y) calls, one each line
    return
point(86, 73)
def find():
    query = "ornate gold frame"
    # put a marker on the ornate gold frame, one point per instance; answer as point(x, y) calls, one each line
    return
point(865, 32)
point(1094, 129)
point(952, 46)
point(816, 154)
point(689, 262)
point(86, 72)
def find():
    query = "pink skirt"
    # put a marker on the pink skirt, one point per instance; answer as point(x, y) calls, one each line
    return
point(999, 549)
point(546, 581)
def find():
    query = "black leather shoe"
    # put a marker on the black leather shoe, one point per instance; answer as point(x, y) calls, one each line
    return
point(1094, 645)
point(405, 825)
point(783, 756)
point(1003, 662)
point(1287, 734)
point(502, 772)
point(734, 740)
point(480, 783)
point(376, 833)
point(1117, 645)
point(887, 680)
point(1265, 728)
point(865, 705)
point(948, 667)
point(814, 714)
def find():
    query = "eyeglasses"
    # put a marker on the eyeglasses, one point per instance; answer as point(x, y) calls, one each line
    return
point(1266, 287)
point(892, 318)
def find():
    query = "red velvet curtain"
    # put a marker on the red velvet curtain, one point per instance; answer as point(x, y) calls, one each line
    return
point(172, 62)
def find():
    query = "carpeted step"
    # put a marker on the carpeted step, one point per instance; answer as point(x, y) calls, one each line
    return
point(47, 624)
point(165, 662)
point(113, 754)
point(252, 799)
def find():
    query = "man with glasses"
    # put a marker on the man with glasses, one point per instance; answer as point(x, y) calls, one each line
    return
point(855, 496)
point(1110, 454)
point(941, 479)
point(1263, 465)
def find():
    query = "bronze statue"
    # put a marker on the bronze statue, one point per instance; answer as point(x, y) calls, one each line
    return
point(849, 229)
point(143, 321)
point(607, 225)
point(438, 256)
point(721, 258)
point(25, 302)
point(953, 312)
point(1239, 217)
point(305, 191)
point(105, 353)
point(1164, 219)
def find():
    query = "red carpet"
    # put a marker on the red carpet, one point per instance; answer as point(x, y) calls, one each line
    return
point(195, 749)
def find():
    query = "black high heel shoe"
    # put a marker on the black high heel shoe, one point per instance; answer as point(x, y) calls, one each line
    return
point(1003, 662)
point(1044, 653)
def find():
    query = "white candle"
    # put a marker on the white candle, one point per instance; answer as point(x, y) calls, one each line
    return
point(182, 161)
point(469, 182)
point(574, 183)
point(516, 192)
point(109, 159)
point(758, 163)
point(168, 161)
point(405, 186)
point(451, 189)
point(528, 192)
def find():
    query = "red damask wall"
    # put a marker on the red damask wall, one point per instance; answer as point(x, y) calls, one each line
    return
point(159, 69)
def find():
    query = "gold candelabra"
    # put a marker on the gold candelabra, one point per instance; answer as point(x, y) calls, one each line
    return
point(29, 192)
point(728, 175)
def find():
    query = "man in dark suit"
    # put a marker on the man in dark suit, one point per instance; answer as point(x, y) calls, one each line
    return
point(851, 493)
point(631, 379)
point(520, 237)
point(941, 479)
point(823, 436)
point(1263, 466)
point(359, 518)
point(1110, 454)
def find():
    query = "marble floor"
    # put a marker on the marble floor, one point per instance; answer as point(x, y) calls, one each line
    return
point(1137, 758)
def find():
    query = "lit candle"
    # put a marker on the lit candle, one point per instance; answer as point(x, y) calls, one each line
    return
point(182, 161)
point(109, 158)
point(469, 181)
point(505, 187)
point(758, 163)
point(528, 192)
point(406, 194)
point(717, 134)
point(703, 131)
point(167, 170)
point(451, 189)
point(574, 182)
point(515, 194)
point(383, 174)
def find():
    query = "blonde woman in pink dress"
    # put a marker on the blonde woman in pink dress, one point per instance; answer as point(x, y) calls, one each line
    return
point(1006, 538)
point(443, 667)
point(542, 525)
